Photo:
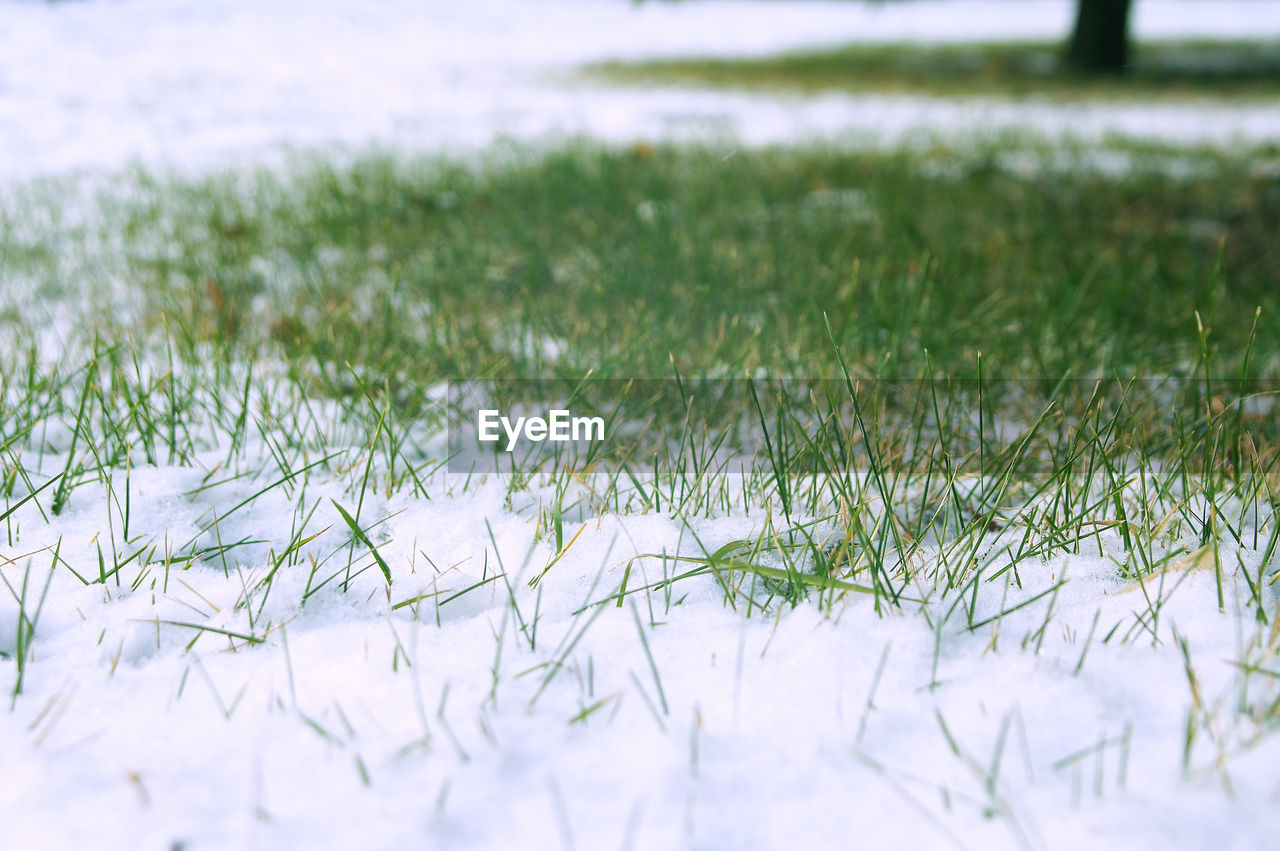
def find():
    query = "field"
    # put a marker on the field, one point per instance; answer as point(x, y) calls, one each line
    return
point(956, 525)
point(1173, 71)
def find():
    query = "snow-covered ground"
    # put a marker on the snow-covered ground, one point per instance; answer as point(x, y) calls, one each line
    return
point(105, 83)
point(505, 716)
point(493, 715)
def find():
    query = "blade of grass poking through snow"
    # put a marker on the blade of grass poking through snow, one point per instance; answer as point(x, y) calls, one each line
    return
point(201, 629)
point(364, 539)
point(8, 511)
point(104, 574)
point(533, 583)
point(720, 560)
point(296, 545)
point(1052, 589)
point(557, 662)
point(461, 592)
point(513, 605)
point(26, 626)
point(653, 666)
point(873, 462)
point(775, 458)
point(286, 478)
point(63, 492)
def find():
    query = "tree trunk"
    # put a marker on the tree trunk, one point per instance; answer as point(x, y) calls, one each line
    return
point(1100, 41)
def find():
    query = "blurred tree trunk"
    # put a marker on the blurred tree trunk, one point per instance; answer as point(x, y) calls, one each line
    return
point(1100, 41)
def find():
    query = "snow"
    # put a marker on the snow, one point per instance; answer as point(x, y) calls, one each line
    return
point(447, 724)
point(356, 723)
point(102, 84)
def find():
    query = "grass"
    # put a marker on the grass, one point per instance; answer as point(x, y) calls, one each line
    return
point(933, 291)
point(1167, 71)
point(966, 363)
point(617, 261)
point(963, 306)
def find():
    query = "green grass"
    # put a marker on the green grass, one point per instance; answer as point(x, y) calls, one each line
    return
point(247, 305)
point(279, 337)
point(723, 262)
point(1024, 356)
point(1172, 71)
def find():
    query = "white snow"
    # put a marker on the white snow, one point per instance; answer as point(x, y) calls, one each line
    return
point(452, 723)
point(101, 84)
point(502, 718)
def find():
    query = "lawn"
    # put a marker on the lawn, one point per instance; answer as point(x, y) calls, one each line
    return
point(1171, 71)
point(1080, 261)
point(960, 524)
